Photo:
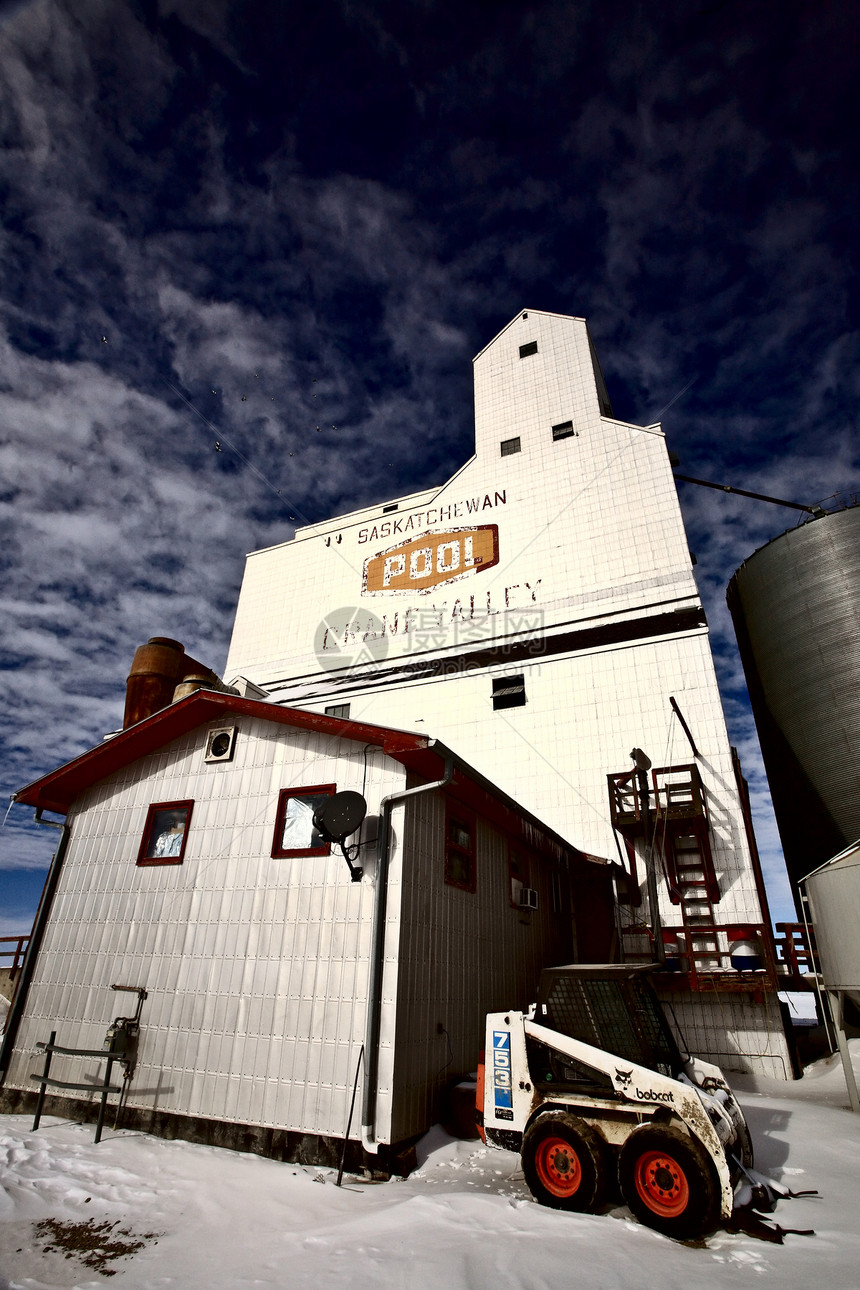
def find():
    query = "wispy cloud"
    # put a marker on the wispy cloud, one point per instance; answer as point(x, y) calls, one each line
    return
point(301, 218)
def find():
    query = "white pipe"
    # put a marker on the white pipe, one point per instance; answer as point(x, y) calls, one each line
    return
point(816, 981)
point(837, 1003)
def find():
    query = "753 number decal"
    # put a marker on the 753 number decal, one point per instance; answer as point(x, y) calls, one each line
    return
point(502, 1070)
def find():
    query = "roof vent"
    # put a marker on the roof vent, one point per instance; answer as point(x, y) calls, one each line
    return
point(220, 744)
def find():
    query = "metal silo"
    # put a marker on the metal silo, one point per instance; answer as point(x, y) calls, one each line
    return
point(796, 610)
point(834, 897)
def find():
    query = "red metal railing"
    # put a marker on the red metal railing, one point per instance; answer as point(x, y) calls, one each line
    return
point(795, 957)
point(795, 949)
point(675, 793)
point(678, 792)
point(710, 962)
point(625, 801)
point(18, 948)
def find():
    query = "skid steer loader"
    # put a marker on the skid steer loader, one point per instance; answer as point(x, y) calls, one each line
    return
point(591, 1089)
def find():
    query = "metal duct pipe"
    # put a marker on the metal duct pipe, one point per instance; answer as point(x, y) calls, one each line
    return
point(193, 682)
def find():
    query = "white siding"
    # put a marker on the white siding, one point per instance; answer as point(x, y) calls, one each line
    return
point(256, 967)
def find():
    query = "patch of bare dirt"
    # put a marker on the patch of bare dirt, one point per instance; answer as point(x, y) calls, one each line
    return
point(95, 1244)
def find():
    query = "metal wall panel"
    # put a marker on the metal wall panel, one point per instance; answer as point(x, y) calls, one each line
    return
point(834, 894)
point(256, 968)
point(462, 954)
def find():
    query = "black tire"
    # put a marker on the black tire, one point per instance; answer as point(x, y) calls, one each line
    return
point(741, 1153)
point(669, 1181)
point(565, 1163)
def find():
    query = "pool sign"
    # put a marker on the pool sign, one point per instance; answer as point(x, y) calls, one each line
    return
point(432, 559)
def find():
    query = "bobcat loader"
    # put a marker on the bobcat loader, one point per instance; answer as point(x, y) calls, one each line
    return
point(590, 1087)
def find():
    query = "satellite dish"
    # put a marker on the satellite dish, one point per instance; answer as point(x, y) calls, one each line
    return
point(340, 815)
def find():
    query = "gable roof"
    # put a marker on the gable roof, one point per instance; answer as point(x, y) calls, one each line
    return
point(57, 790)
point(420, 754)
point(527, 313)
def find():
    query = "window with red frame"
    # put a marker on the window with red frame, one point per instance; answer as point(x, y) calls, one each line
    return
point(460, 868)
point(295, 831)
point(165, 833)
point(518, 869)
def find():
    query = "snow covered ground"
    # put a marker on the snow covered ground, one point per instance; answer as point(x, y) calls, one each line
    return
point(207, 1218)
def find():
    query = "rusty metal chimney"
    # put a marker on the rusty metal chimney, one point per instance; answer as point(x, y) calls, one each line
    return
point(161, 674)
point(156, 669)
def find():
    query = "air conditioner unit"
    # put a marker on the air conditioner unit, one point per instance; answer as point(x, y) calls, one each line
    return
point(528, 898)
point(220, 744)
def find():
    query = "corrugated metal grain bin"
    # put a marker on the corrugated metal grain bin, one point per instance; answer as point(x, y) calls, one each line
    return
point(796, 609)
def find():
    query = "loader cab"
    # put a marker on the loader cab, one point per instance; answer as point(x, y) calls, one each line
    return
point(614, 1008)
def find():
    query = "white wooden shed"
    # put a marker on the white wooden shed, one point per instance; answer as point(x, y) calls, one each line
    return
point(188, 866)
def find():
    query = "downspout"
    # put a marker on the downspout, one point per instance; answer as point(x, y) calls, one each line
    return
point(377, 952)
point(16, 1011)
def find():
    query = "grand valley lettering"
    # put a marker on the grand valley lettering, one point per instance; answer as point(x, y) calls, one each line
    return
point(418, 622)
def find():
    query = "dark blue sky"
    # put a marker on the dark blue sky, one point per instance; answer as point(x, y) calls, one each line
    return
point(301, 215)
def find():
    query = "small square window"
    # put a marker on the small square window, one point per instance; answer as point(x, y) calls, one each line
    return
point(338, 710)
point(518, 870)
point(527, 350)
point(460, 849)
point(510, 446)
point(556, 896)
point(509, 692)
point(563, 431)
point(295, 831)
point(165, 833)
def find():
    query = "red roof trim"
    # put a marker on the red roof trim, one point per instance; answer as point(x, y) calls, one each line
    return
point(57, 790)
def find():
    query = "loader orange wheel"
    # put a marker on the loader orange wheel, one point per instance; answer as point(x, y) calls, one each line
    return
point(558, 1167)
point(662, 1184)
point(564, 1162)
point(669, 1181)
